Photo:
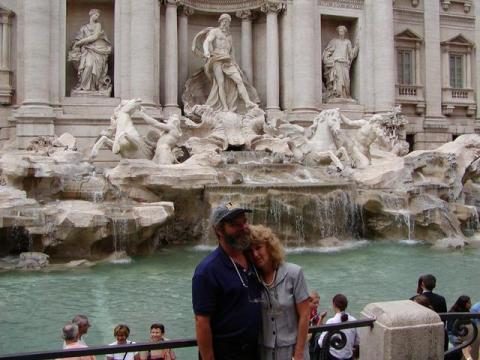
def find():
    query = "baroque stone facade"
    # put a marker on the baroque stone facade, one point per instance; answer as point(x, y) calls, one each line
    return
point(417, 53)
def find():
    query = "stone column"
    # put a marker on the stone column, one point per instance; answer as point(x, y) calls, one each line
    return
point(5, 29)
point(477, 65)
point(384, 60)
point(468, 68)
point(305, 59)
point(403, 330)
point(183, 48)
point(433, 67)
point(5, 69)
point(142, 50)
point(171, 58)
point(36, 54)
point(273, 71)
point(418, 76)
point(445, 74)
point(247, 44)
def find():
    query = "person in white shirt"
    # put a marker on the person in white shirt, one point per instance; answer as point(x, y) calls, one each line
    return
point(121, 333)
point(340, 303)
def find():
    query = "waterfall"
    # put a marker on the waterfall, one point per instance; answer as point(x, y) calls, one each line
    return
point(120, 234)
point(301, 214)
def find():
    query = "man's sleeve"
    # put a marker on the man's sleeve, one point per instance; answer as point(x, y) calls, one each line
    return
point(300, 288)
point(203, 295)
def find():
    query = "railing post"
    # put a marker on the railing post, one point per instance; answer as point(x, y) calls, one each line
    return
point(403, 330)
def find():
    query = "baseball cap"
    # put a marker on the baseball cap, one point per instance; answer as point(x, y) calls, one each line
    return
point(226, 211)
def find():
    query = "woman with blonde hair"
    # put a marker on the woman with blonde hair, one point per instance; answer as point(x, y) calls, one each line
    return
point(121, 333)
point(285, 299)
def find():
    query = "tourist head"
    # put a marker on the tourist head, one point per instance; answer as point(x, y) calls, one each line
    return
point(230, 225)
point(340, 303)
point(341, 30)
point(225, 20)
point(70, 332)
point(83, 324)
point(314, 299)
point(121, 333)
point(94, 14)
point(265, 247)
point(463, 304)
point(423, 300)
point(156, 332)
point(426, 282)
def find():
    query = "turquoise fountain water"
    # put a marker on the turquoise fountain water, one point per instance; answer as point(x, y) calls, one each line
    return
point(34, 306)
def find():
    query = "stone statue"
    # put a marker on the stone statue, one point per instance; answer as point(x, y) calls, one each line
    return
point(123, 138)
point(169, 137)
point(89, 56)
point(221, 83)
point(337, 59)
point(358, 145)
point(316, 144)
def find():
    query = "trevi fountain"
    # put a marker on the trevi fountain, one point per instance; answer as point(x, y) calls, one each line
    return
point(343, 188)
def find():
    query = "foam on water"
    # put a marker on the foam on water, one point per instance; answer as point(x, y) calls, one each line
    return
point(344, 246)
point(122, 261)
point(203, 247)
point(411, 242)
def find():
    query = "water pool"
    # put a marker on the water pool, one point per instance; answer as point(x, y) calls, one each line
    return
point(35, 305)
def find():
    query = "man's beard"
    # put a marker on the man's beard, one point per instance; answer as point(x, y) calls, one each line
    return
point(239, 242)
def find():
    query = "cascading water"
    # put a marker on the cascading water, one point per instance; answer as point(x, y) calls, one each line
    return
point(120, 234)
point(301, 214)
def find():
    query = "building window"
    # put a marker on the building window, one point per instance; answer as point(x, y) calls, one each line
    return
point(405, 67)
point(456, 71)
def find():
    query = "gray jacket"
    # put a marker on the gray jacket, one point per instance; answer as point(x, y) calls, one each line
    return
point(279, 313)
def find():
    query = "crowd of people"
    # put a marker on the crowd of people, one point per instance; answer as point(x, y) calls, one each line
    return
point(249, 303)
point(73, 336)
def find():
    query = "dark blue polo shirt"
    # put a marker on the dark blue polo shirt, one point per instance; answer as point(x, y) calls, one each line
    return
point(218, 292)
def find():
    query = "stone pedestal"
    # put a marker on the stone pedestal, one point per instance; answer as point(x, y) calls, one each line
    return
point(403, 330)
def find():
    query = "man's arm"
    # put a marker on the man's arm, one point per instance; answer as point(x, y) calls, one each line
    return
point(204, 336)
point(208, 41)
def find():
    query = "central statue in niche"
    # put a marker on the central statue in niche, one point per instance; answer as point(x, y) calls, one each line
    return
point(221, 84)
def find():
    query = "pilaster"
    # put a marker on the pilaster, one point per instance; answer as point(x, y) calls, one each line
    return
point(272, 9)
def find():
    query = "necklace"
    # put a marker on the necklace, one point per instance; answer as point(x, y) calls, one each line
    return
point(273, 279)
point(238, 272)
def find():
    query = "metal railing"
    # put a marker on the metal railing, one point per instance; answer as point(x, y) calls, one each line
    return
point(101, 350)
point(334, 337)
point(463, 328)
point(330, 329)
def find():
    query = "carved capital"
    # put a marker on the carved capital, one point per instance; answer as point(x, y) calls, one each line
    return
point(415, 3)
point(171, 2)
point(244, 14)
point(273, 7)
point(187, 10)
point(467, 6)
point(446, 4)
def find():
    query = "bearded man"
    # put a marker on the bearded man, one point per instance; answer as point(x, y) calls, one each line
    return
point(226, 292)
